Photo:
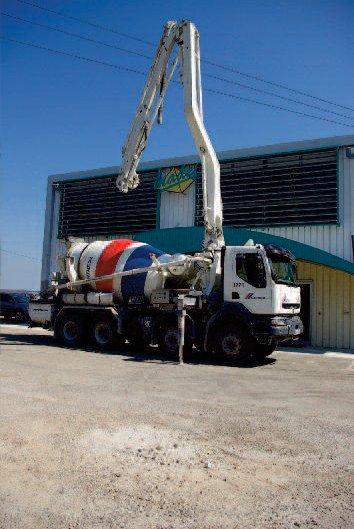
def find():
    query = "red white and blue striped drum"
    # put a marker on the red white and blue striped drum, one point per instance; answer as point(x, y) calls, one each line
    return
point(101, 258)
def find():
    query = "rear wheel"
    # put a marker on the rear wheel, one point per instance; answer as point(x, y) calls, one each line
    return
point(168, 340)
point(70, 330)
point(231, 344)
point(104, 333)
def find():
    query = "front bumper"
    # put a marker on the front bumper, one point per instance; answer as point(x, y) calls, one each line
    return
point(280, 327)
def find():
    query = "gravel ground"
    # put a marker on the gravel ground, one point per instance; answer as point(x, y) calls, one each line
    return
point(90, 440)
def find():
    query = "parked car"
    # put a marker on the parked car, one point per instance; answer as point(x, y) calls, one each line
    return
point(14, 306)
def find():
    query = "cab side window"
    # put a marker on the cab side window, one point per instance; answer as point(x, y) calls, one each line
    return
point(250, 268)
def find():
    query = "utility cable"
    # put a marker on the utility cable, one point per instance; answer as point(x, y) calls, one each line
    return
point(205, 60)
point(94, 25)
point(82, 37)
point(139, 72)
point(149, 57)
point(20, 255)
point(226, 94)
point(67, 54)
point(278, 85)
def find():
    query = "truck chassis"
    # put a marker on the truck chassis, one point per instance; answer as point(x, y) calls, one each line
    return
point(224, 330)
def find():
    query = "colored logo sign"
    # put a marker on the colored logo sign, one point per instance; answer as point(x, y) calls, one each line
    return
point(176, 179)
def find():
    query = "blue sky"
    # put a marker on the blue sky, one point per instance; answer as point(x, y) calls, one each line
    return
point(61, 114)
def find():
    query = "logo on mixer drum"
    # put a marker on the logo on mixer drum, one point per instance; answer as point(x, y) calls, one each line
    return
point(88, 268)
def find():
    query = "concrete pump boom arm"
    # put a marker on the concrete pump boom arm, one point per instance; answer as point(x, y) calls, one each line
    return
point(186, 37)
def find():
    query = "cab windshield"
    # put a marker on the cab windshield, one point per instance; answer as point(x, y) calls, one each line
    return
point(283, 271)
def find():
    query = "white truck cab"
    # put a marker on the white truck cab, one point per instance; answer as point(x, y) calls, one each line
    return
point(260, 299)
point(262, 279)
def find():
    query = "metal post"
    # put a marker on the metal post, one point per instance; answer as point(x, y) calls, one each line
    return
point(181, 326)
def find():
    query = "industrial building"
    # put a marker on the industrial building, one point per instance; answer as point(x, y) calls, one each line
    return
point(298, 195)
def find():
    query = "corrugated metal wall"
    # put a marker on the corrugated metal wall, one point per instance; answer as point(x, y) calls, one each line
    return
point(95, 207)
point(332, 305)
point(331, 238)
point(279, 190)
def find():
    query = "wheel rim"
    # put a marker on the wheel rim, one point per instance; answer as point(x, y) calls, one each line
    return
point(231, 345)
point(103, 333)
point(71, 331)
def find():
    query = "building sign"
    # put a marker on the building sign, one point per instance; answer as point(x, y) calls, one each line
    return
point(176, 179)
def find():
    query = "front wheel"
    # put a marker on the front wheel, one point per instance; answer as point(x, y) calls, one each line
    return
point(231, 343)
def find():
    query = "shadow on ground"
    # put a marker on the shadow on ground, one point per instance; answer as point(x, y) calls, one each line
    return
point(150, 354)
point(44, 340)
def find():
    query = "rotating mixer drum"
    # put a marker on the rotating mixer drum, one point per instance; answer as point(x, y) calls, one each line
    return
point(99, 258)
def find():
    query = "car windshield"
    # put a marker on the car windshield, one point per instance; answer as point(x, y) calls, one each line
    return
point(283, 271)
point(20, 298)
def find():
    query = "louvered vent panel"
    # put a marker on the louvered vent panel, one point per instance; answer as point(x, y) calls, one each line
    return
point(95, 207)
point(278, 190)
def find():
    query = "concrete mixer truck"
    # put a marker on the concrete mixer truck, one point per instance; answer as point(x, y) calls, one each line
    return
point(234, 301)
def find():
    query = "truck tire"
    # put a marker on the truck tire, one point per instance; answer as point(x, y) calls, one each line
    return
point(263, 350)
point(231, 344)
point(70, 330)
point(104, 333)
point(168, 340)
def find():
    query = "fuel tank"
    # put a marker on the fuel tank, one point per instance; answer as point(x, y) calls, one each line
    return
point(99, 258)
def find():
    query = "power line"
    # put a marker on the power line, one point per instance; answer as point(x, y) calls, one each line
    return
point(205, 60)
point(133, 52)
point(267, 92)
point(67, 54)
point(94, 25)
point(278, 85)
point(20, 255)
point(82, 37)
point(139, 72)
point(226, 94)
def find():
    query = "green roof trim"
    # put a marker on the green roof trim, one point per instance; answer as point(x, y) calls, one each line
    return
point(189, 239)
